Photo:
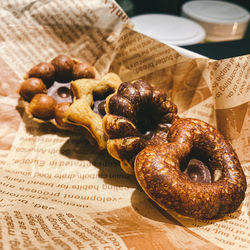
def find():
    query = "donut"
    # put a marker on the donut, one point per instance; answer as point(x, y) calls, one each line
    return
point(88, 107)
point(46, 90)
point(215, 188)
point(137, 115)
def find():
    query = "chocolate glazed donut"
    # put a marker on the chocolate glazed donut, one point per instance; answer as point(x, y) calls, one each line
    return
point(137, 115)
point(158, 170)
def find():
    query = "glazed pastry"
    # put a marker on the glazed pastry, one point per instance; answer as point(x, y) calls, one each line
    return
point(213, 184)
point(47, 88)
point(138, 115)
point(88, 107)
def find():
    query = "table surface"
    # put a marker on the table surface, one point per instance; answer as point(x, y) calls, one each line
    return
point(221, 50)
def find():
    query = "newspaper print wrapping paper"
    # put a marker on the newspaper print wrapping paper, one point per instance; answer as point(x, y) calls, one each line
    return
point(56, 191)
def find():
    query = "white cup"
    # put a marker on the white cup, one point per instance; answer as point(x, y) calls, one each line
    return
point(221, 20)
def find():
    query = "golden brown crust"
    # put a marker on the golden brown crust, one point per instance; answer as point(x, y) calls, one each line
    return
point(63, 66)
point(157, 169)
point(83, 70)
point(42, 106)
point(31, 87)
point(82, 112)
point(53, 78)
point(137, 115)
point(44, 71)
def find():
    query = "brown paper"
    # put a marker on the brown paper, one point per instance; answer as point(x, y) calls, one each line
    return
point(57, 192)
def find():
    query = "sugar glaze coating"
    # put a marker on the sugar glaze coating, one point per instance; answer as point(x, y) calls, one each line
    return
point(53, 79)
point(137, 115)
point(157, 170)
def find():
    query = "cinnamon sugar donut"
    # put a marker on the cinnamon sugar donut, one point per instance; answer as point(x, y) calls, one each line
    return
point(138, 115)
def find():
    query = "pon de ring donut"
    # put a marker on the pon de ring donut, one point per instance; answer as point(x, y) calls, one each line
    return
point(137, 115)
point(159, 172)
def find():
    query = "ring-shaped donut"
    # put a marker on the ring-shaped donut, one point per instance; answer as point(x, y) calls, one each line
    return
point(157, 170)
point(137, 115)
point(46, 92)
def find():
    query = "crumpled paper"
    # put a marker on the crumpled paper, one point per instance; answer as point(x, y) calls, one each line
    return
point(56, 190)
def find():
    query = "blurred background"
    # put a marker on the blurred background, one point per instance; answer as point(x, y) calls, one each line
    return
point(174, 7)
point(134, 8)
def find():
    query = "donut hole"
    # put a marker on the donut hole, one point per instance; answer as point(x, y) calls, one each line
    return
point(61, 92)
point(64, 92)
point(147, 122)
point(195, 173)
point(99, 97)
point(198, 172)
point(196, 165)
point(199, 168)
